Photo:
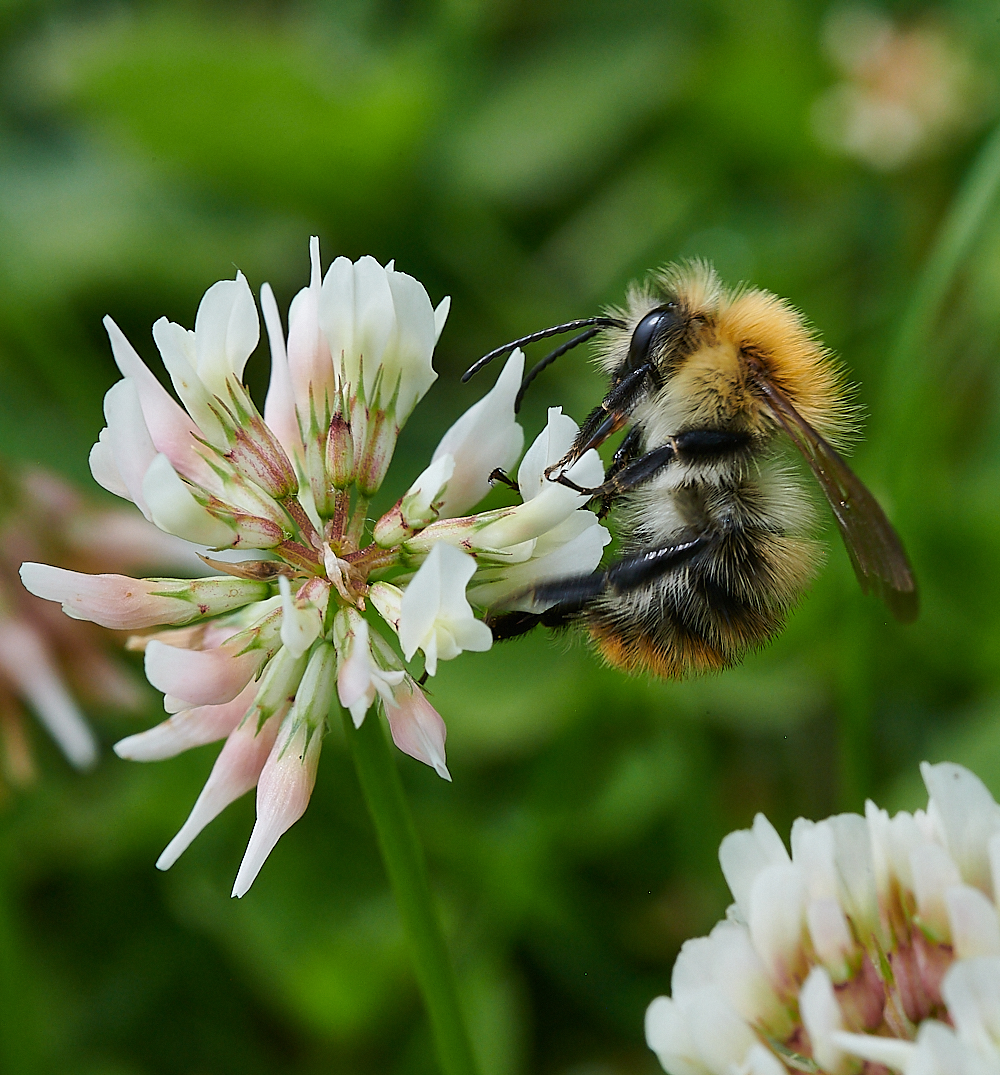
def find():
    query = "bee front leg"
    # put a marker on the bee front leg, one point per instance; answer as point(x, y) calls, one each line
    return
point(630, 476)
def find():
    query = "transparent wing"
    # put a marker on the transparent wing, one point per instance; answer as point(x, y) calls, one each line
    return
point(878, 556)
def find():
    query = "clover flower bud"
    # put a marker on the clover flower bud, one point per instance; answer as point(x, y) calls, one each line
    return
point(340, 453)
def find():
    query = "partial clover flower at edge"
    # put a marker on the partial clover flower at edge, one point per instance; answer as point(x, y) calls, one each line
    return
point(258, 654)
point(875, 945)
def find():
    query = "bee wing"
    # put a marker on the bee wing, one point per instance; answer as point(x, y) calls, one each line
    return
point(878, 556)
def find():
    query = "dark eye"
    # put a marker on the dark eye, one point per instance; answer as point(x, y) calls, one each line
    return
point(651, 328)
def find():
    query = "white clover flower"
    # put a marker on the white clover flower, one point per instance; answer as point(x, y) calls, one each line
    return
point(876, 942)
point(316, 617)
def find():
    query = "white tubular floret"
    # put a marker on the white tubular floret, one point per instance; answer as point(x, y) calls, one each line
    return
point(487, 436)
point(435, 615)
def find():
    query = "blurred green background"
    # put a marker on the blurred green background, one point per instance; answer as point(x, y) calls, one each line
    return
point(529, 159)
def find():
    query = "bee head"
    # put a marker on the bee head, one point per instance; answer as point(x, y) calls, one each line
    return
point(653, 336)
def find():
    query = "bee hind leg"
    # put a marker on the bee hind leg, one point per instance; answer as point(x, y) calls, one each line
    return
point(507, 625)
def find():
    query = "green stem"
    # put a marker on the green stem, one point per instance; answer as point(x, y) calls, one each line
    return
point(404, 863)
point(909, 371)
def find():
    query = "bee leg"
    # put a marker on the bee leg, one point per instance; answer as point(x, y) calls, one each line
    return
point(500, 475)
point(629, 573)
point(630, 476)
point(626, 453)
point(574, 593)
point(507, 625)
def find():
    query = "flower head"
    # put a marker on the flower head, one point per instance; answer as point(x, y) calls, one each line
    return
point(47, 662)
point(316, 614)
point(875, 942)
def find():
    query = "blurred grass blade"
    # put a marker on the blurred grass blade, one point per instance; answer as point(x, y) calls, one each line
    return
point(910, 368)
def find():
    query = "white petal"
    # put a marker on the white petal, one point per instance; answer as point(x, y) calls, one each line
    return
point(226, 330)
point(487, 436)
point(777, 919)
point(300, 627)
point(336, 319)
point(104, 469)
point(721, 1037)
point(969, 816)
point(421, 603)
point(174, 509)
point(934, 873)
point(668, 1036)
point(427, 491)
point(172, 430)
point(822, 1018)
point(176, 345)
point(128, 439)
point(831, 936)
point(971, 989)
point(441, 316)
point(578, 556)
point(892, 1052)
point(761, 1061)
point(374, 322)
point(972, 918)
point(744, 853)
point(412, 342)
point(554, 441)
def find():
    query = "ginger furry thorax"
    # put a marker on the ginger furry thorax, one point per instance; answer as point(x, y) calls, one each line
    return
point(708, 372)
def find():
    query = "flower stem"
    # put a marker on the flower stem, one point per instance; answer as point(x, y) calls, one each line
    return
point(404, 863)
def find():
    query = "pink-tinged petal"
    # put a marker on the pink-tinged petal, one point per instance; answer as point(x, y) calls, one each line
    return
point(172, 430)
point(104, 468)
point(279, 404)
point(114, 601)
point(129, 439)
point(226, 332)
point(187, 729)
point(25, 659)
point(200, 677)
point(310, 365)
point(235, 772)
point(283, 791)
point(417, 728)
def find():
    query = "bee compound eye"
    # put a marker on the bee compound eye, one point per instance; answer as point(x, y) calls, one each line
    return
point(654, 325)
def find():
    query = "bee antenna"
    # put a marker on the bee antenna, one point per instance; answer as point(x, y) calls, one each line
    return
point(534, 337)
point(549, 359)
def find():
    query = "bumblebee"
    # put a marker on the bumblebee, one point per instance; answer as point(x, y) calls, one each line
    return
point(713, 526)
